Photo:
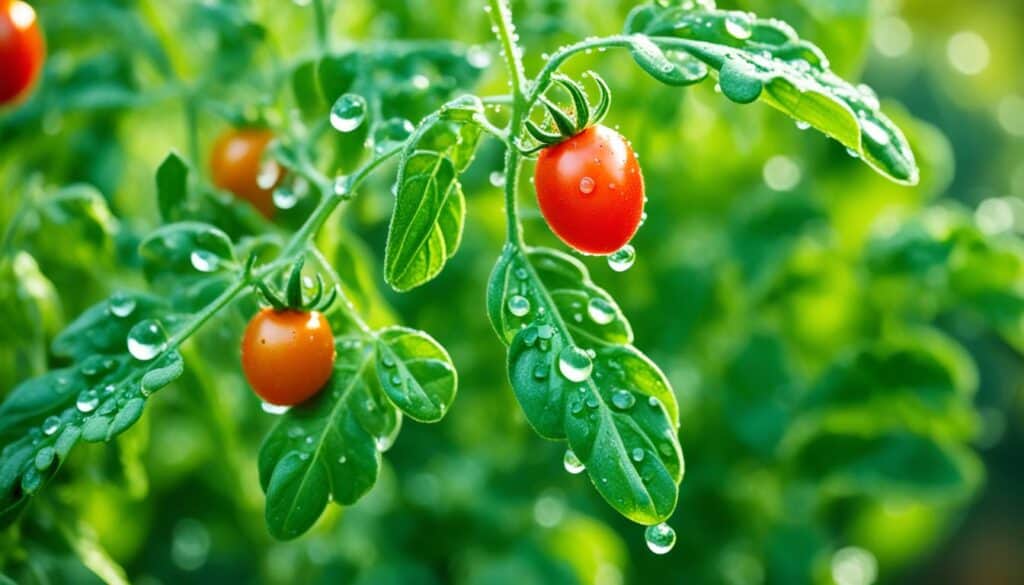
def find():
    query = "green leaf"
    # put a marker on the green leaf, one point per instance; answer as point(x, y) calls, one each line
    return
point(426, 225)
point(188, 249)
point(415, 373)
point(100, 395)
point(764, 58)
point(171, 187)
point(578, 379)
point(328, 446)
point(669, 67)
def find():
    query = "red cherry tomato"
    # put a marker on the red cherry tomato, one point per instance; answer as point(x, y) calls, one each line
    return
point(236, 163)
point(22, 50)
point(590, 190)
point(287, 356)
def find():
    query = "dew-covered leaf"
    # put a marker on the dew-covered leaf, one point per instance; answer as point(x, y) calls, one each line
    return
point(329, 446)
point(578, 379)
point(765, 59)
point(416, 373)
point(426, 225)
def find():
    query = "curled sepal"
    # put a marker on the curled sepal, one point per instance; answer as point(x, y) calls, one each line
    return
point(293, 297)
point(567, 125)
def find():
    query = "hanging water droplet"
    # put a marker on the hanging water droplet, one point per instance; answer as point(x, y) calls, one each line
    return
point(801, 125)
point(284, 197)
point(600, 311)
point(87, 401)
point(738, 26)
point(660, 538)
point(348, 112)
point(51, 425)
point(275, 409)
point(146, 340)
point(270, 172)
point(497, 178)
point(391, 133)
point(638, 454)
point(574, 364)
point(623, 399)
point(586, 185)
point(622, 259)
point(121, 304)
point(204, 260)
point(384, 443)
point(518, 305)
point(572, 463)
point(343, 186)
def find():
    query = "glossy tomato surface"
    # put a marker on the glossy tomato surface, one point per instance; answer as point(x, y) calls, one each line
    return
point(22, 50)
point(590, 190)
point(236, 163)
point(287, 356)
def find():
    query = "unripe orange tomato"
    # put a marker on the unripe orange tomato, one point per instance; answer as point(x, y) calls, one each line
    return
point(287, 355)
point(237, 162)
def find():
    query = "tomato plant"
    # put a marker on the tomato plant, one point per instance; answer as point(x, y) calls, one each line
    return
point(794, 302)
point(22, 50)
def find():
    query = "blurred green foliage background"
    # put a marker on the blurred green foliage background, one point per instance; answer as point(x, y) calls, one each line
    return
point(846, 351)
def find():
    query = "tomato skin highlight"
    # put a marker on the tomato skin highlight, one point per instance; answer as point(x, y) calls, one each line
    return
point(235, 165)
point(590, 190)
point(287, 356)
point(22, 51)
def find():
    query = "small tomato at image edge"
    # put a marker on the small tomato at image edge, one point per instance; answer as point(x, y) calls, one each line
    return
point(22, 51)
point(236, 162)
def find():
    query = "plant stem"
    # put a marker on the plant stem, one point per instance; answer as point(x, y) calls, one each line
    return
point(204, 315)
point(501, 18)
point(320, 15)
point(562, 55)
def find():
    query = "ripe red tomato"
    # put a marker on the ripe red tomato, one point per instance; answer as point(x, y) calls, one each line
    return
point(287, 356)
point(22, 50)
point(590, 190)
point(236, 163)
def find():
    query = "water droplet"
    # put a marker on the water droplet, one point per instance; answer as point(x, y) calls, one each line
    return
point(342, 459)
point(391, 133)
point(146, 340)
point(653, 402)
point(270, 172)
point(478, 57)
point(622, 259)
point(738, 25)
point(384, 443)
point(518, 305)
point(660, 538)
point(586, 185)
point(540, 372)
point(497, 178)
point(521, 273)
point(572, 463)
point(204, 260)
point(389, 362)
point(121, 304)
point(51, 425)
point(87, 401)
point(348, 112)
point(574, 364)
point(343, 186)
point(284, 197)
point(623, 399)
point(801, 125)
point(600, 311)
point(275, 409)
point(638, 454)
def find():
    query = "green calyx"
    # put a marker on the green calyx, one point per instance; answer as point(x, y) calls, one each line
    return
point(293, 297)
point(566, 124)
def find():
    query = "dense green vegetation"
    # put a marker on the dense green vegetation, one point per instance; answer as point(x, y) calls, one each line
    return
point(822, 309)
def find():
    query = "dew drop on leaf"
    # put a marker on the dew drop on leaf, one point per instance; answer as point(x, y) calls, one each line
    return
point(574, 364)
point(623, 399)
point(51, 425)
point(146, 340)
point(738, 26)
point(660, 538)
point(600, 311)
point(121, 305)
point(622, 259)
point(638, 454)
point(348, 112)
point(204, 260)
point(87, 401)
point(497, 179)
point(518, 305)
point(572, 463)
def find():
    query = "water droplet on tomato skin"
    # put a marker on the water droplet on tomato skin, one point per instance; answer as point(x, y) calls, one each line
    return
point(587, 185)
